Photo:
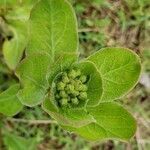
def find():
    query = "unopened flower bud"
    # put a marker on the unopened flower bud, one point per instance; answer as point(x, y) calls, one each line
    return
point(60, 86)
point(72, 81)
point(78, 73)
point(83, 78)
point(83, 96)
point(63, 94)
point(70, 88)
point(57, 96)
point(75, 101)
point(72, 74)
point(84, 88)
point(77, 84)
point(80, 87)
point(65, 78)
point(75, 93)
point(64, 101)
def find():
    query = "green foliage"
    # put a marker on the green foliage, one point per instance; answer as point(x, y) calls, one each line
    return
point(34, 80)
point(9, 103)
point(120, 70)
point(111, 121)
point(76, 93)
point(54, 33)
point(16, 37)
point(14, 142)
point(18, 42)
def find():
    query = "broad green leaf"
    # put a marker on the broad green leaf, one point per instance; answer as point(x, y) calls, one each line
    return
point(13, 48)
point(91, 132)
point(16, 19)
point(9, 103)
point(68, 117)
point(53, 28)
point(8, 2)
point(119, 68)
point(20, 10)
point(33, 73)
point(95, 82)
point(63, 62)
point(112, 122)
point(14, 142)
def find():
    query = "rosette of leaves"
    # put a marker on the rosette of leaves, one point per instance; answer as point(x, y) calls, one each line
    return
point(81, 95)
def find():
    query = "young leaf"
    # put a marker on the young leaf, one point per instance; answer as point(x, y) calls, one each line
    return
point(68, 117)
point(9, 103)
point(63, 61)
point(13, 48)
point(53, 28)
point(94, 91)
point(16, 19)
point(91, 132)
point(120, 69)
point(33, 73)
point(112, 122)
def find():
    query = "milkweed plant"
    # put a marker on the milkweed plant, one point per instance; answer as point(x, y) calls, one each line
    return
point(80, 94)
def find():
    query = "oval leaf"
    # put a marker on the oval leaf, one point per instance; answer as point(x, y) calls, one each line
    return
point(53, 28)
point(17, 20)
point(120, 69)
point(9, 103)
point(69, 117)
point(112, 121)
point(13, 48)
point(33, 73)
point(95, 82)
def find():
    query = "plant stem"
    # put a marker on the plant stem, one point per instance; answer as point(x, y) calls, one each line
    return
point(32, 122)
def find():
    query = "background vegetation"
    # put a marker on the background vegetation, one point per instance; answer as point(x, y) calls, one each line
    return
point(101, 23)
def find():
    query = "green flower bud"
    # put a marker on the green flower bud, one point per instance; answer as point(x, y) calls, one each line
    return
point(72, 81)
point(80, 87)
point(83, 96)
point(75, 93)
point(65, 78)
point(69, 88)
point(78, 73)
point(60, 86)
point(57, 96)
point(64, 101)
point(72, 74)
point(83, 78)
point(63, 94)
point(77, 84)
point(84, 88)
point(75, 101)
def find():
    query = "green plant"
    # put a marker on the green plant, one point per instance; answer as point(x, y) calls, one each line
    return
point(79, 94)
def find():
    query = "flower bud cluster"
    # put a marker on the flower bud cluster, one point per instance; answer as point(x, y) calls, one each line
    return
point(71, 88)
